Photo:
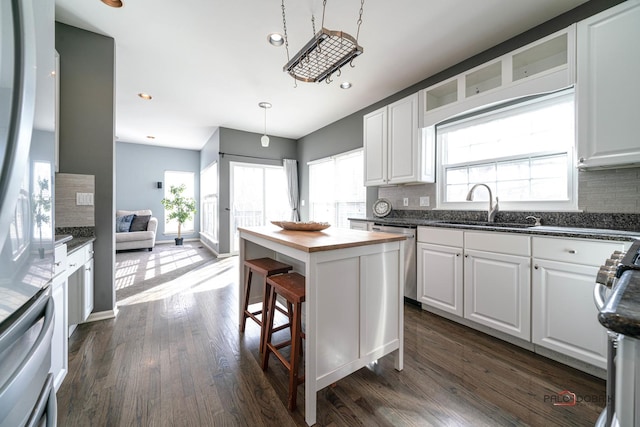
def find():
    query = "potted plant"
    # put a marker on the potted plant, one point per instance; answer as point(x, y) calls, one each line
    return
point(179, 207)
point(41, 208)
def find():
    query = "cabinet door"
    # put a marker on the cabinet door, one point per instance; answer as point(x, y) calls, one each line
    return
point(375, 147)
point(608, 89)
point(403, 141)
point(59, 340)
point(440, 277)
point(359, 225)
point(87, 296)
point(497, 292)
point(565, 318)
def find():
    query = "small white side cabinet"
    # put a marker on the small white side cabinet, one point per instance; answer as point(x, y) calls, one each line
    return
point(608, 88)
point(497, 282)
point(80, 285)
point(360, 225)
point(439, 259)
point(60, 338)
point(393, 152)
point(565, 318)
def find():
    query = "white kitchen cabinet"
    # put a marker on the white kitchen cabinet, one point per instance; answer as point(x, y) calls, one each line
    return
point(497, 282)
point(60, 338)
point(360, 225)
point(608, 89)
point(543, 66)
point(393, 149)
point(564, 315)
point(439, 263)
point(80, 285)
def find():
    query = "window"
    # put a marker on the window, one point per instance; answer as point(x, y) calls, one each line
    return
point(336, 189)
point(523, 152)
point(174, 178)
point(258, 195)
point(209, 202)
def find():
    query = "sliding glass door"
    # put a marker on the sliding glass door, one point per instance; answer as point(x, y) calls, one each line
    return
point(258, 195)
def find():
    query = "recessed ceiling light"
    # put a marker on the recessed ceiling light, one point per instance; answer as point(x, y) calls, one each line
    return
point(275, 39)
point(345, 85)
point(112, 3)
point(145, 96)
point(151, 137)
point(264, 104)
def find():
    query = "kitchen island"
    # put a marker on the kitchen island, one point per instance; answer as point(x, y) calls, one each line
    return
point(353, 313)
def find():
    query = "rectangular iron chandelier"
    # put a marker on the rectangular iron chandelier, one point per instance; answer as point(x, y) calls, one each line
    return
point(323, 55)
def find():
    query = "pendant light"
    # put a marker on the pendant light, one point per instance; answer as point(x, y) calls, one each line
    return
point(265, 139)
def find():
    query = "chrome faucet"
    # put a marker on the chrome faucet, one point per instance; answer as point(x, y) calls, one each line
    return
point(493, 210)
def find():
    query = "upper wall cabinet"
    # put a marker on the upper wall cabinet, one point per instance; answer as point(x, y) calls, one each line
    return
point(543, 66)
point(608, 88)
point(394, 152)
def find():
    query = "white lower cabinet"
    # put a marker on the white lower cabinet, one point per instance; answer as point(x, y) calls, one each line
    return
point(564, 315)
point(80, 285)
point(59, 340)
point(497, 292)
point(440, 269)
point(360, 225)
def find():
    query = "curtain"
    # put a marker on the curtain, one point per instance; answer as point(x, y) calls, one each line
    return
point(291, 172)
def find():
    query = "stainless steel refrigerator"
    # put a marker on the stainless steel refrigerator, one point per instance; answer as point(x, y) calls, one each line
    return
point(27, 396)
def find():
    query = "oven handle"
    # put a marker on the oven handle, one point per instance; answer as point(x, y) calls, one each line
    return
point(599, 295)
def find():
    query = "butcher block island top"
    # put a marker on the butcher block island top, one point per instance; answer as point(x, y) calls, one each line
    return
point(325, 240)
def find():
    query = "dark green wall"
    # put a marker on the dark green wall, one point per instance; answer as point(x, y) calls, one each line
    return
point(86, 129)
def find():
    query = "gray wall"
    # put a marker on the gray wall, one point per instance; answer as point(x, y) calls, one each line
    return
point(237, 144)
point(86, 129)
point(346, 134)
point(139, 167)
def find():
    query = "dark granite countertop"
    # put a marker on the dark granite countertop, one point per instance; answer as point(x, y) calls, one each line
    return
point(78, 242)
point(621, 312)
point(506, 227)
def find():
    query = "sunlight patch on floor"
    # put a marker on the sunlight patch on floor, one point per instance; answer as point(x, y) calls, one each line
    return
point(211, 276)
point(152, 265)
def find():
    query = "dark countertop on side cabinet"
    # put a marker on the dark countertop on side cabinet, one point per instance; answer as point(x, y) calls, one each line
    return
point(621, 313)
point(542, 230)
point(73, 243)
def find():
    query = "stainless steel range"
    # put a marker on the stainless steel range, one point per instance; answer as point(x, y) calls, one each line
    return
point(617, 296)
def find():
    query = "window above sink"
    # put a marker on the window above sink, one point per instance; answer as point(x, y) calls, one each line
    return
point(523, 151)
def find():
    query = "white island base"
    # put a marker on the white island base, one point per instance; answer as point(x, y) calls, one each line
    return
point(353, 314)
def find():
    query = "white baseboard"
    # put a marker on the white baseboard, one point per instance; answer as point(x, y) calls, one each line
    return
point(102, 315)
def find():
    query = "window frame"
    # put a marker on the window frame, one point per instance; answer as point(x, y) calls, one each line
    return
point(188, 227)
point(570, 204)
point(335, 201)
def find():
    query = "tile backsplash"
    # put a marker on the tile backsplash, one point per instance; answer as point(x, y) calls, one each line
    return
point(603, 191)
point(68, 212)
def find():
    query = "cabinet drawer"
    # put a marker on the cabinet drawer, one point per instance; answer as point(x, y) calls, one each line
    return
point(498, 242)
point(60, 259)
point(441, 236)
point(75, 260)
point(577, 251)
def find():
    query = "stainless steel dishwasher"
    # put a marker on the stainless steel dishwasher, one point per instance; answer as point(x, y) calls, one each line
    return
point(410, 269)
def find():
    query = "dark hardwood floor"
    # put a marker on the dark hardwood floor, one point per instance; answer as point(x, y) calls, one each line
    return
point(174, 357)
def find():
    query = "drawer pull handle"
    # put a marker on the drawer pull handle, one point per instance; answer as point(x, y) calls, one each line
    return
point(457, 254)
point(536, 266)
point(91, 252)
point(89, 269)
point(58, 264)
point(72, 265)
point(572, 251)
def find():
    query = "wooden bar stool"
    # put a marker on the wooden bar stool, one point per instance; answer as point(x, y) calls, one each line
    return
point(290, 286)
point(265, 267)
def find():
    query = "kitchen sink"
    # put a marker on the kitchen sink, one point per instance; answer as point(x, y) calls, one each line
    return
point(486, 224)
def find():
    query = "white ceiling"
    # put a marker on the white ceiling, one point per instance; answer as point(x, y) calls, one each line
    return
point(207, 63)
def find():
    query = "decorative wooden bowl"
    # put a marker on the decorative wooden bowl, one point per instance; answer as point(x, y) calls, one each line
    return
point(302, 226)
